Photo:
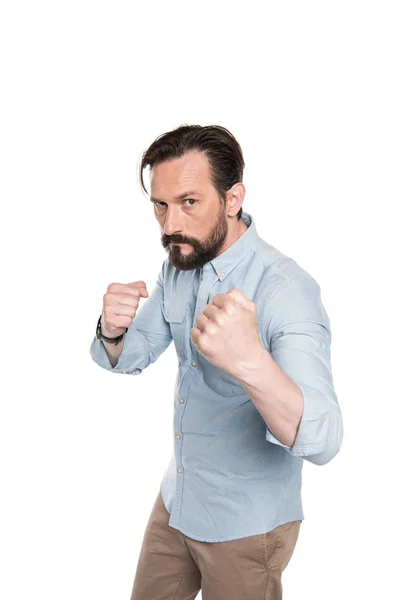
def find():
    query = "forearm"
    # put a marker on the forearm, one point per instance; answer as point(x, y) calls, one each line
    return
point(113, 351)
point(276, 396)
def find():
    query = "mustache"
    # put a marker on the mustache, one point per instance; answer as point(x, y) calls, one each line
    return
point(170, 240)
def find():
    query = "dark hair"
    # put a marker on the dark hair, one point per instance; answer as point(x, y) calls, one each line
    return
point(215, 142)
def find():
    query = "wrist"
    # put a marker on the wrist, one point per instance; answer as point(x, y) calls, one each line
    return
point(255, 361)
point(106, 336)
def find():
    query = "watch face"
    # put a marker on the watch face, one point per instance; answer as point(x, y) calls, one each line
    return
point(100, 336)
point(98, 325)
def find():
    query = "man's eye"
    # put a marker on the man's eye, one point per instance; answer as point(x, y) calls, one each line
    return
point(163, 205)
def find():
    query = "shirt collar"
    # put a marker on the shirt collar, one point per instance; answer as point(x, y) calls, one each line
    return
point(227, 260)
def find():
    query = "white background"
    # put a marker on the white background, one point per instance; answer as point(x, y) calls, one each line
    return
point(311, 91)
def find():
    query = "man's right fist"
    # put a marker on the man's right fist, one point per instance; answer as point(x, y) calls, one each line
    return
point(120, 304)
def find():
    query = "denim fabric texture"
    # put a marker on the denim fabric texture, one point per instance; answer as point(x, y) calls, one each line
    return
point(229, 477)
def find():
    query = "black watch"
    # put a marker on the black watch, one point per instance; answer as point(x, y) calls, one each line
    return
point(100, 336)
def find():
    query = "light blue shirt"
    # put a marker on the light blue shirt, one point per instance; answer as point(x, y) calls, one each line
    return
point(229, 477)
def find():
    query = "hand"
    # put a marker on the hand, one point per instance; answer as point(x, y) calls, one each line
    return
point(120, 304)
point(226, 333)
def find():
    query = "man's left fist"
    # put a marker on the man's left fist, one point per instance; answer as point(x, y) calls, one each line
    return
point(226, 333)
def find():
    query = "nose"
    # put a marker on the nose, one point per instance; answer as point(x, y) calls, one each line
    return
point(171, 224)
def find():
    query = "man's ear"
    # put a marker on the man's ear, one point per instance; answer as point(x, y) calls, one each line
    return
point(235, 197)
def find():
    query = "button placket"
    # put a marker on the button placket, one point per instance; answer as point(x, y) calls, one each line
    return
point(203, 289)
point(186, 382)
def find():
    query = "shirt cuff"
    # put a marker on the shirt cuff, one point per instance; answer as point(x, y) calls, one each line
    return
point(131, 359)
point(313, 432)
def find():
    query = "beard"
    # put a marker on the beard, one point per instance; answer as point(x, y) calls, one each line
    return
point(202, 252)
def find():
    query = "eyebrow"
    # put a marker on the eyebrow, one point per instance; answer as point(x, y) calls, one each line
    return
point(180, 197)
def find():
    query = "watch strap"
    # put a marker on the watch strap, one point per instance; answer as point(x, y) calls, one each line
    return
point(100, 336)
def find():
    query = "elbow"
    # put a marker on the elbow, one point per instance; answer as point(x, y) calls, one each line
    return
point(332, 443)
point(324, 441)
point(322, 458)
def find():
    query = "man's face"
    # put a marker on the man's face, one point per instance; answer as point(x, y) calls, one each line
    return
point(189, 210)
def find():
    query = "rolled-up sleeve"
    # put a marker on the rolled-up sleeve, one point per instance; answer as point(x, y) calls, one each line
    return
point(299, 337)
point(147, 337)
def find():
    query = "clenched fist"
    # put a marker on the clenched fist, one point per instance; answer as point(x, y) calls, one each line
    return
point(226, 333)
point(120, 304)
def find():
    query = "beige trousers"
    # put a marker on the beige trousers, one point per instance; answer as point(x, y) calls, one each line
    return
point(173, 566)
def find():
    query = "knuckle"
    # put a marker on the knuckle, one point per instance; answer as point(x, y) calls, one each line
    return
point(219, 320)
point(132, 300)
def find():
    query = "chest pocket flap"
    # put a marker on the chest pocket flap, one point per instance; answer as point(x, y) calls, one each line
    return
point(174, 312)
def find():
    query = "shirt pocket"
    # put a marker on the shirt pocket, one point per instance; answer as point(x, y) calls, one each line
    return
point(220, 381)
point(175, 315)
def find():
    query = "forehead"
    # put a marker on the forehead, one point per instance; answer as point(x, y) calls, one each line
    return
point(188, 171)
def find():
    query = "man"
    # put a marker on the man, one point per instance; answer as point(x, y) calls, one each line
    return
point(254, 394)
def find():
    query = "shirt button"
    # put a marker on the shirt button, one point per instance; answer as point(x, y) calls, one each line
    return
point(180, 469)
point(123, 371)
point(181, 400)
point(194, 363)
point(167, 314)
point(222, 274)
point(178, 437)
point(201, 281)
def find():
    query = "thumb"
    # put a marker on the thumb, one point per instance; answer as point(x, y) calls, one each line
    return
point(240, 298)
point(142, 287)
